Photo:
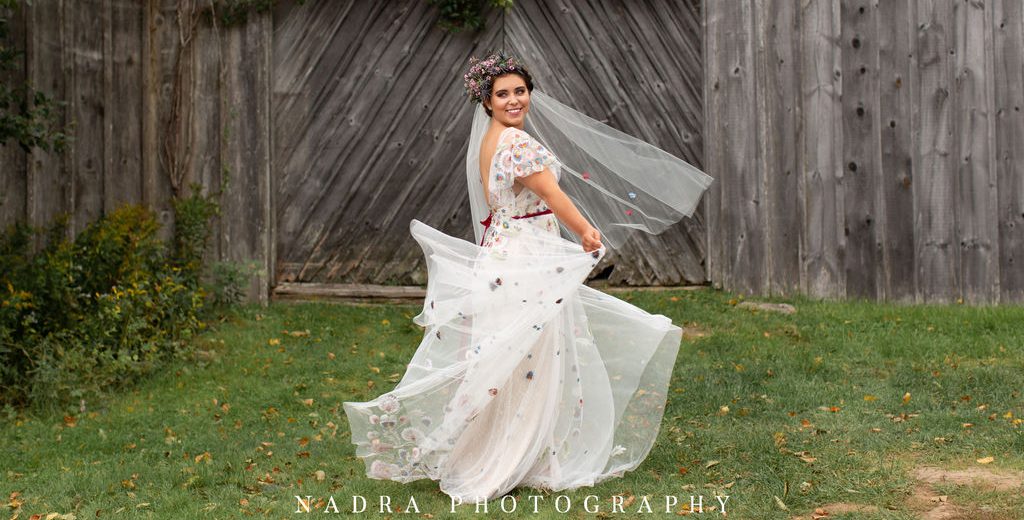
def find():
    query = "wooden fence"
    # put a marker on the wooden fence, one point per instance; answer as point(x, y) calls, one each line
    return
point(861, 149)
point(866, 149)
point(153, 107)
point(371, 123)
point(326, 126)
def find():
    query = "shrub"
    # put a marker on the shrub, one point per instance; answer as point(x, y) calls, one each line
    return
point(81, 317)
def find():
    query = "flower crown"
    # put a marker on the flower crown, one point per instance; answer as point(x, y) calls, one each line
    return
point(481, 74)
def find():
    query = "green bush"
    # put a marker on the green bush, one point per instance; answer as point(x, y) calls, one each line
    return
point(81, 317)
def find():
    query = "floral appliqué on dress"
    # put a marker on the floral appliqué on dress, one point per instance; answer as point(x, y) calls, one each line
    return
point(517, 155)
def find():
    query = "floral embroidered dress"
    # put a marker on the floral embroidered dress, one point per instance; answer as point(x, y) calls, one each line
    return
point(525, 376)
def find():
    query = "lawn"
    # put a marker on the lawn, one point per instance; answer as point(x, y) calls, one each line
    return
point(853, 406)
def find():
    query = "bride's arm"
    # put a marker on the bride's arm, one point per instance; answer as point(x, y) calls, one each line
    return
point(546, 187)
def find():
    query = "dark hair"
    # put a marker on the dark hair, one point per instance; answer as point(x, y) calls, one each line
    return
point(521, 73)
point(479, 79)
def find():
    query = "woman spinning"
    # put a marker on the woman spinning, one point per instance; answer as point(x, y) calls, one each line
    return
point(525, 376)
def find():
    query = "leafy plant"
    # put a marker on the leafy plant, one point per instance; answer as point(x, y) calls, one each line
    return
point(27, 116)
point(228, 282)
point(81, 317)
point(460, 15)
point(192, 231)
point(236, 12)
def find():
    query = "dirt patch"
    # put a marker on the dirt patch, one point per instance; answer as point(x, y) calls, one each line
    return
point(983, 478)
point(694, 332)
point(929, 505)
point(837, 508)
point(932, 506)
point(783, 308)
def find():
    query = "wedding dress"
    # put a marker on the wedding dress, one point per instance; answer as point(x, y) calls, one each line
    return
point(525, 376)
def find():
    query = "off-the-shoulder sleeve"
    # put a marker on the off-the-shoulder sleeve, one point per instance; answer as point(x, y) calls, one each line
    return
point(518, 155)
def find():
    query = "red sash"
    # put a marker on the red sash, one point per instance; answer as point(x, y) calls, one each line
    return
point(487, 221)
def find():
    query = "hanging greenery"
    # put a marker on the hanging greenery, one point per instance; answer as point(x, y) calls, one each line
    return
point(230, 13)
point(27, 116)
point(459, 15)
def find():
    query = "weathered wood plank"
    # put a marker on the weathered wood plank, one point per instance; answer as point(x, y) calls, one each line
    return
point(150, 160)
point(823, 243)
point(739, 232)
point(86, 21)
point(124, 104)
point(777, 70)
point(207, 123)
point(50, 191)
point(246, 149)
point(160, 46)
point(1008, 82)
point(896, 217)
point(13, 167)
point(288, 291)
point(861, 151)
point(715, 142)
point(977, 198)
point(935, 189)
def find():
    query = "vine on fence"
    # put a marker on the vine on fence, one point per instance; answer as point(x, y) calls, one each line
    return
point(27, 116)
point(177, 145)
point(459, 15)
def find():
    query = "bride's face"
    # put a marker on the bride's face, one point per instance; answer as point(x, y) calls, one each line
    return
point(510, 100)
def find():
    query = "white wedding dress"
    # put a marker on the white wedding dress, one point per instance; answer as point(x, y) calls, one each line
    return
point(524, 376)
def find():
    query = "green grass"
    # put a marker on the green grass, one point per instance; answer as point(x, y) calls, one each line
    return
point(816, 414)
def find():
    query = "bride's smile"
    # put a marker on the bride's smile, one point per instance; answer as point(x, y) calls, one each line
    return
point(510, 100)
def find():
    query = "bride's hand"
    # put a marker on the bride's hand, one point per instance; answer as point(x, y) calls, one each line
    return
point(591, 240)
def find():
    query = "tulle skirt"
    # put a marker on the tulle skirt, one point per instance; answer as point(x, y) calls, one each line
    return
point(524, 377)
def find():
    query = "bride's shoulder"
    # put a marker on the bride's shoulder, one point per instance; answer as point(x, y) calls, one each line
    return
point(512, 134)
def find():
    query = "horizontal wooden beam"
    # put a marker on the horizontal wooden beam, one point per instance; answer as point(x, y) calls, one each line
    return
point(403, 293)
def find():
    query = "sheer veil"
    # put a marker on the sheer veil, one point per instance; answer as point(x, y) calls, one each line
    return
point(477, 198)
point(619, 182)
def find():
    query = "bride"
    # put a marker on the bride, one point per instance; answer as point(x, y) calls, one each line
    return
point(525, 376)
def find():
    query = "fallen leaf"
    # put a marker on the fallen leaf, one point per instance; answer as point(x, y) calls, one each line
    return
point(906, 397)
point(780, 503)
point(986, 460)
